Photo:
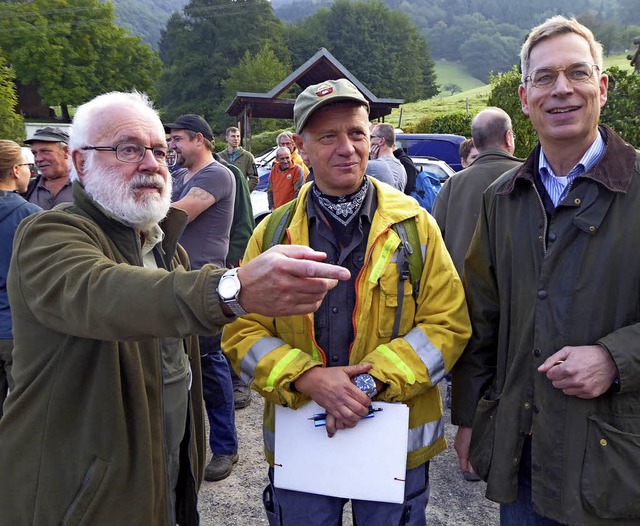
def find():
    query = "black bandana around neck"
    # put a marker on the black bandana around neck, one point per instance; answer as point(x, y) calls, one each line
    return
point(342, 208)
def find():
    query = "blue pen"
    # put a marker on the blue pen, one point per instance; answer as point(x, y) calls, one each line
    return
point(320, 419)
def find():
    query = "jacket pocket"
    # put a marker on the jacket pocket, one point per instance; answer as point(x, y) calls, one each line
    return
point(290, 325)
point(388, 305)
point(609, 483)
point(481, 448)
point(86, 493)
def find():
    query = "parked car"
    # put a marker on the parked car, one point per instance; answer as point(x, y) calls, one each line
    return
point(442, 146)
point(260, 205)
point(434, 166)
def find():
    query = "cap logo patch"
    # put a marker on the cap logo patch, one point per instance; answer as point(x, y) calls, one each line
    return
point(324, 90)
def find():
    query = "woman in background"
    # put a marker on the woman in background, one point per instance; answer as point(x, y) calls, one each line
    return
point(15, 171)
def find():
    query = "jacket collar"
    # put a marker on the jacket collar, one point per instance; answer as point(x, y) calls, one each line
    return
point(393, 206)
point(614, 170)
point(123, 235)
point(495, 152)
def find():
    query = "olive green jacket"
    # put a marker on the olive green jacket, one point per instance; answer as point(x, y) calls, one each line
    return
point(536, 283)
point(246, 163)
point(82, 434)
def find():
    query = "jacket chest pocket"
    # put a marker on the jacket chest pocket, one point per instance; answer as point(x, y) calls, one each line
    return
point(389, 301)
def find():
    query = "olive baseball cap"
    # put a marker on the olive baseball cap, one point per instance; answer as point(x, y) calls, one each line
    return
point(192, 122)
point(49, 134)
point(319, 95)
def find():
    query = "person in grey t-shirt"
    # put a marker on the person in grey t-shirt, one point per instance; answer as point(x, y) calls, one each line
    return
point(383, 137)
point(206, 190)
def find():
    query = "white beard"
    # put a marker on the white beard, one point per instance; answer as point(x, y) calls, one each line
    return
point(117, 196)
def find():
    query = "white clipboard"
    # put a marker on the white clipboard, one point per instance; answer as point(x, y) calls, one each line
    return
point(367, 462)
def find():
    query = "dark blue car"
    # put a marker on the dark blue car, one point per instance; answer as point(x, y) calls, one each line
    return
point(441, 146)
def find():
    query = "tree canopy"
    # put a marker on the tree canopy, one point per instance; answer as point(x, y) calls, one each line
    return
point(485, 35)
point(201, 45)
point(73, 50)
point(11, 125)
point(381, 47)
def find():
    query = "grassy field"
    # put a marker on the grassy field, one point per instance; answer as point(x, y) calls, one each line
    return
point(472, 100)
point(454, 73)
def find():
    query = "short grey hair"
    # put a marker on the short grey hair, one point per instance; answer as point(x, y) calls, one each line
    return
point(283, 135)
point(387, 132)
point(554, 27)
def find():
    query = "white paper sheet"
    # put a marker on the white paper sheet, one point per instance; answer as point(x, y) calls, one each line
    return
point(367, 462)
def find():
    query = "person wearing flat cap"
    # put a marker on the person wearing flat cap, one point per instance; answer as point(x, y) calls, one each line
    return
point(366, 341)
point(51, 153)
point(206, 190)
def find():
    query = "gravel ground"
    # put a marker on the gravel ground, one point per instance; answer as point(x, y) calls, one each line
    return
point(237, 500)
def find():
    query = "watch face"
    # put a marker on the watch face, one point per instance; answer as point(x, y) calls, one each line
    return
point(365, 383)
point(228, 287)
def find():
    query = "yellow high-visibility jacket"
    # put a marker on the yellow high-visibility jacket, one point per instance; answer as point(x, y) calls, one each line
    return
point(272, 353)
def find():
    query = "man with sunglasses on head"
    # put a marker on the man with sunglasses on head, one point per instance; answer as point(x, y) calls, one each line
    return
point(547, 391)
point(104, 424)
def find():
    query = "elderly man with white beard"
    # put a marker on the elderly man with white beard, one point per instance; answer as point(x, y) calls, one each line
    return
point(105, 423)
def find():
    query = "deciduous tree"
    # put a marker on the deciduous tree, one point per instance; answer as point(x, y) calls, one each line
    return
point(11, 124)
point(381, 47)
point(73, 50)
point(202, 44)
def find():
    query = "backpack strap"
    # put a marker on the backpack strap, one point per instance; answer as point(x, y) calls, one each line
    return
point(278, 221)
point(410, 264)
point(407, 230)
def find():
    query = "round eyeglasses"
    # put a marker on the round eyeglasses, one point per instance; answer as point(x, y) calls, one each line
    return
point(546, 77)
point(134, 153)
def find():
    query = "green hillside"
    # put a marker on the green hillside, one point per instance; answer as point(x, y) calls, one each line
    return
point(473, 99)
point(454, 73)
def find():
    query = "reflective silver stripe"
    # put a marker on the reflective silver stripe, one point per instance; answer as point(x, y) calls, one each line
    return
point(428, 353)
point(256, 353)
point(425, 435)
point(269, 438)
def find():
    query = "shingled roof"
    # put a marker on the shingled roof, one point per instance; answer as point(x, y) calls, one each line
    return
point(320, 67)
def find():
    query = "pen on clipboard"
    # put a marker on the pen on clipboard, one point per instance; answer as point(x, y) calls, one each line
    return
point(320, 419)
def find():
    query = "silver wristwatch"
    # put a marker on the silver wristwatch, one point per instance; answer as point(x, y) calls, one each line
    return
point(366, 383)
point(229, 290)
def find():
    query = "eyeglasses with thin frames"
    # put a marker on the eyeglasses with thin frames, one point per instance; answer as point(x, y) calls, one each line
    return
point(134, 153)
point(547, 76)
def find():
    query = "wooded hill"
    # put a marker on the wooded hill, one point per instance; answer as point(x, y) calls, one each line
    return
point(486, 35)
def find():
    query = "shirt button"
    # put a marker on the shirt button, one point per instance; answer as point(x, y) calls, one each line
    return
point(526, 405)
point(334, 310)
point(334, 358)
point(537, 352)
point(536, 409)
point(542, 294)
point(552, 236)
